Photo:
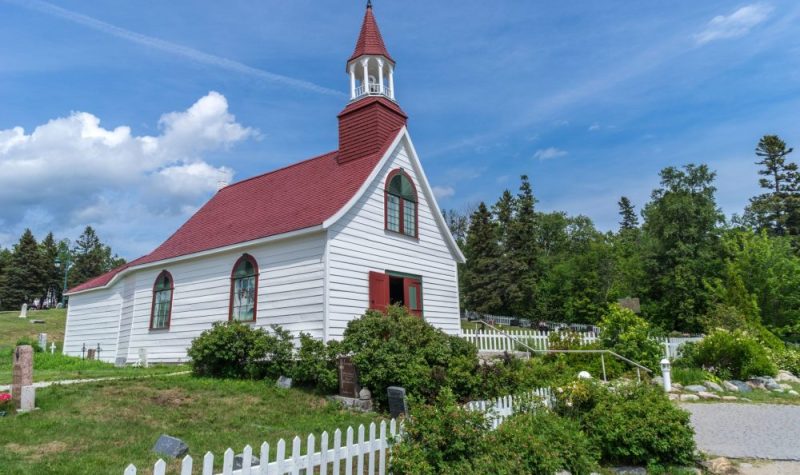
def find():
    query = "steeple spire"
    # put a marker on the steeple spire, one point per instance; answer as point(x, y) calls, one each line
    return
point(370, 66)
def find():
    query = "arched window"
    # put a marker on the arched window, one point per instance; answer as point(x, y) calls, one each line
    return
point(244, 289)
point(401, 204)
point(161, 311)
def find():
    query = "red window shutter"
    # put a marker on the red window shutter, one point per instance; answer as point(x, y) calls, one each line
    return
point(378, 291)
point(412, 290)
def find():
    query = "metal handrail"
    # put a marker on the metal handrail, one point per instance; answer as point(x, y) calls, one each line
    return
point(601, 352)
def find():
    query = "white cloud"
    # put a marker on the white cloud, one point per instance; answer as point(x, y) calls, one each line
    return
point(443, 191)
point(71, 171)
point(594, 126)
point(736, 24)
point(549, 153)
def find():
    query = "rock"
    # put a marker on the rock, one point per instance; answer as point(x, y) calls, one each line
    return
point(711, 385)
point(730, 398)
point(793, 392)
point(170, 446)
point(690, 397)
point(729, 386)
point(677, 386)
point(238, 461)
point(284, 382)
point(707, 395)
point(743, 387)
point(755, 384)
point(720, 466)
point(629, 470)
point(785, 386)
point(779, 390)
point(657, 380)
point(786, 377)
point(772, 386)
point(673, 396)
point(695, 388)
point(584, 375)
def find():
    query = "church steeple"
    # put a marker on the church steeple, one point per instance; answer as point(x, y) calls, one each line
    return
point(371, 68)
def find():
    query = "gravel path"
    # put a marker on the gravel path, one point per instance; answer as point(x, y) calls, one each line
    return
point(766, 431)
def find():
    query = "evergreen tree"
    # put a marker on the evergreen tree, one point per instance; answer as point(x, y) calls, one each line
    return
point(683, 249)
point(778, 209)
point(523, 253)
point(480, 285)
point(5, 267)
point(508, 268)
point(53, 284)
point(626, 210)
point(458, 223)
point(91, 258)
point(26, 276)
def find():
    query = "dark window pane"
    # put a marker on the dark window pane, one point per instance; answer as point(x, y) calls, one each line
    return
point(409, 218)
point(393, 213)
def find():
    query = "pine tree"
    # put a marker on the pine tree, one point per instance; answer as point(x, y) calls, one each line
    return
point(53, 284)
point(626, 210)
point(777, 210)
point(480, 287)
point(5, 267)
point(26, 276)
point(523, 251)
point(91, 258)
point(508, 269)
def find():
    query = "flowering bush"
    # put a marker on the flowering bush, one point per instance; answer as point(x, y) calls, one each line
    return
point(5, 401)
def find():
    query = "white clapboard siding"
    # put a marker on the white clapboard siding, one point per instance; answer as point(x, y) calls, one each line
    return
point(93, 319)
point(362, 451)
point(358, 244)
point(290, 294)
point(509, 340)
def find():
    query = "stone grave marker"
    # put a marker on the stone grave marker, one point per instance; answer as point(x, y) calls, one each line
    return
point(397, 401)
point(90, 353)
point(23, 312)
point(23, 393)
point(43, 341)
point(53, 348)
point(284, 382)
point(142, 357)
point(348, 378)
point(170, 446)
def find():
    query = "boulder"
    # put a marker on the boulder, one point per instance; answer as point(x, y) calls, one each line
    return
point(238, 461)
point(730, 398)
point(695, 388)
point(786, 377)
point(755, 384)
point(743, 387)
point(793, 392)
point(778, 390)
point(772, 385)
point(712, 386)
point(785, 386)
point(690, 397)
point(677, 386)
point(170, 446)
point(707, 395)
point(729, 386)
point(673, 396)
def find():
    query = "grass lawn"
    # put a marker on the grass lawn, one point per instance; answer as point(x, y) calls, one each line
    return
point(101, 427)
point(47, 367)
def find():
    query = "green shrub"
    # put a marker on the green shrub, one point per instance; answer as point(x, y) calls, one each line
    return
point(631, 336)
point(315, 364)
point(689, 375)
point(26, 340)
point(638, 425)
point(734, 354)
point(237, 350)
point(399, 349)
point(439, 437)
point(788, 359)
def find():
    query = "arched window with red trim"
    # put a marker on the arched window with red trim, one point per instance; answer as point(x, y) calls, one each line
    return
point(161, 310)
point(244, 290)
point(401, 203)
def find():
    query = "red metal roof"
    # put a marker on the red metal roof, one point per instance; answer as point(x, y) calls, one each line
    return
point(370, 40)
point(299, 196)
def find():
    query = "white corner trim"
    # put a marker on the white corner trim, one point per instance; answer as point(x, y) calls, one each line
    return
point(196, 255)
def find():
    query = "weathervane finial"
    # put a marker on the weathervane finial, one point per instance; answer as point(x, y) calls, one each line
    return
point(369, 3)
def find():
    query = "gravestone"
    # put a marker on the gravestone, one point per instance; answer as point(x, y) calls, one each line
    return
point(238, 461)
point(90, 353)
point(23, 312)
point(397, 401)
point(43, 341)
point(284, 382)
point(348, 378)
point(53, 348)
point(22, 392)
point(142, 357)
point(170, 446)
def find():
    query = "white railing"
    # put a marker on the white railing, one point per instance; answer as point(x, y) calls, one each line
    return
point(508, 340)
point(373, 90)
point(672, 345)
point(365, 455)
point(499, 409)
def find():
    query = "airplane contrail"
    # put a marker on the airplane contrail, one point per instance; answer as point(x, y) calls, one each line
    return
point(168, 47)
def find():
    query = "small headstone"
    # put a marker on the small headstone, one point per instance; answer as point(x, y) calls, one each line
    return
point(142, 357)
point(23, 312)
point(120, 361)
point(284, 382)
point(365, 394)
point(398, 404)
point(238, 461)
point(38, 321)
point(170, 446)
point(90, 353)
point(43, 341)
point(348, 378)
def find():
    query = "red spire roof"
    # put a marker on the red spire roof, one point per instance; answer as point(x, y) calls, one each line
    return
point(370, 40)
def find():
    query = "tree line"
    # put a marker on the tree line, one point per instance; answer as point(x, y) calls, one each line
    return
point(691, 268)
point(33, 272)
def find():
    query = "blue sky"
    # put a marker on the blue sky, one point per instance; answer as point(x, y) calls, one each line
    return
point(124, 115)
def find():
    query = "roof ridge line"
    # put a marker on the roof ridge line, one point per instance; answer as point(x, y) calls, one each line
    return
point(279, 169)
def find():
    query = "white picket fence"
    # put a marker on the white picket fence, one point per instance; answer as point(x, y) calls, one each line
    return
point(673, 344)
point(499, 409)
point(366, 454)
point(508, 340)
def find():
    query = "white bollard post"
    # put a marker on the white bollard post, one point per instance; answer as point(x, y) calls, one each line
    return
point(666, 374)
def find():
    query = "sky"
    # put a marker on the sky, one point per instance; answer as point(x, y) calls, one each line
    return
point(126, 115)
